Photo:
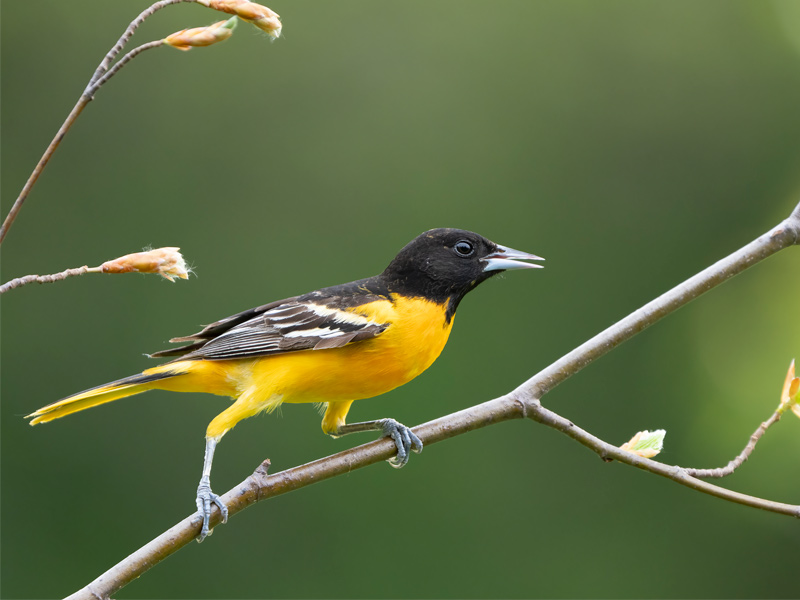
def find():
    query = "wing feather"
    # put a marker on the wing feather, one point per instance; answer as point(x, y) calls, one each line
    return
point(285, 326)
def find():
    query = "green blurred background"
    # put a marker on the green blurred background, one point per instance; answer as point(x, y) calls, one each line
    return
point(631, 143)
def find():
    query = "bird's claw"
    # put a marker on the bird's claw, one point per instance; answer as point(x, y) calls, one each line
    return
point(204, 499)
point(404, 439)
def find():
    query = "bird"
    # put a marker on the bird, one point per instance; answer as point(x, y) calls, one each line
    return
point(332, 346)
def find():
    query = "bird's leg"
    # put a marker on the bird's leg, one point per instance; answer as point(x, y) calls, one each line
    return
point(204, 494)
point(403, 437)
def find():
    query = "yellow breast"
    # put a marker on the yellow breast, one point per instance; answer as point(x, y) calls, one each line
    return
point(415, 338)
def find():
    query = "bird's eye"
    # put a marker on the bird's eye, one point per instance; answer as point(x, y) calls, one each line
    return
point(463, 248)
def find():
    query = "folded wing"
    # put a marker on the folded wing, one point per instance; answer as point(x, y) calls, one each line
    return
point(285, 326)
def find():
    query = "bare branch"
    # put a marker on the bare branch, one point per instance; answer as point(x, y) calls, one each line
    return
point(34, 176)
point(20, 281)
point(86, 97)
point(523, 402)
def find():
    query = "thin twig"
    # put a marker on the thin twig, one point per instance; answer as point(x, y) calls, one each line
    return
point(117, 48)
point(87, 97)
point(23, 195)
point(100, 76)
point(93, 87)
point(743, 455)
point(20, 281)
point(523, 402)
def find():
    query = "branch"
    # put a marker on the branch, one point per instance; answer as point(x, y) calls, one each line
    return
point(23, 195)
point(522, 402)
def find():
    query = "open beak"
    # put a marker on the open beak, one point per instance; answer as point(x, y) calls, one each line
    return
point(505, 259)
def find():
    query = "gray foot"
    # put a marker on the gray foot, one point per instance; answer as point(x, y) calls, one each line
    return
point(204, 499)
point(404, 439)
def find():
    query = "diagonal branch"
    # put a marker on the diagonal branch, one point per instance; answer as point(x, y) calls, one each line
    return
point(523, 402)
point(779, 237)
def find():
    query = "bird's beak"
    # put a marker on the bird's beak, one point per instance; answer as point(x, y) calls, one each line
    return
point(505, 259)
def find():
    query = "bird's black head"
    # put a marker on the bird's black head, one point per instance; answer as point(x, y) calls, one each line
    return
point(444, 264)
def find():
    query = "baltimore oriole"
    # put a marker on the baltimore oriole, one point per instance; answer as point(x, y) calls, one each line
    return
point(333, 346)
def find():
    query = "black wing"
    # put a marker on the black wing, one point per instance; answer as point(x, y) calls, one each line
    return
point(313, 321)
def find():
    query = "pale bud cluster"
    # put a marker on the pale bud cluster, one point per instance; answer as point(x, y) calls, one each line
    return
point(186, 39)
point(167, 262)
point(267, 20)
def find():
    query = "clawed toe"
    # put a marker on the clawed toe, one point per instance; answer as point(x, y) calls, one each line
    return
point(405, 440)
point(205, 497)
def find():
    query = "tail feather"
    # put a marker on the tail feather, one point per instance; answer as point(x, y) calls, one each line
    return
point(109, 392)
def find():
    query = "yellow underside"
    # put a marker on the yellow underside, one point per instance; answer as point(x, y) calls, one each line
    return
point(338, 376)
